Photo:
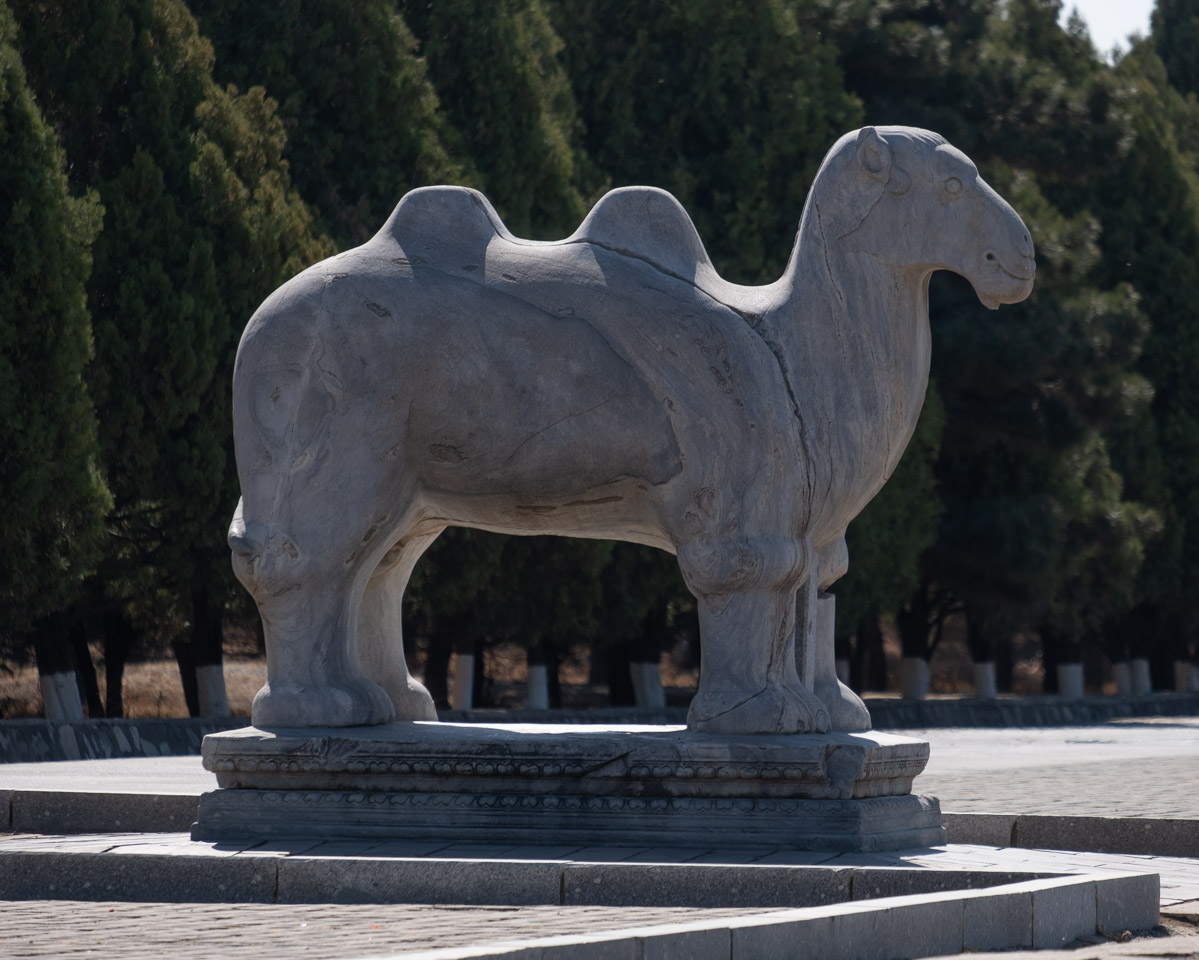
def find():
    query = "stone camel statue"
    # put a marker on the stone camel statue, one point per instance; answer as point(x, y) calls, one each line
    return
point(610, 385)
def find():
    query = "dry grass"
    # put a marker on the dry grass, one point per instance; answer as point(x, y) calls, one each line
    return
point(153, 688)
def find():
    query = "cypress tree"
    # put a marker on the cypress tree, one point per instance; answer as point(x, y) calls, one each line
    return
point(730, 107)
point(200, 224)
point(50, 481)
point(1029, 393)
point(495, 66)
point(362, 120)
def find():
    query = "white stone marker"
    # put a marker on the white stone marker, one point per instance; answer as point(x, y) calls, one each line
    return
point(608, 385)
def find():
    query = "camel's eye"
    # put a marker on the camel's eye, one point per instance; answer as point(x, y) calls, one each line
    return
point(953, 186)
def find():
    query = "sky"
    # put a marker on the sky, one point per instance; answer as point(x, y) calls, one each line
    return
point(1111, 21)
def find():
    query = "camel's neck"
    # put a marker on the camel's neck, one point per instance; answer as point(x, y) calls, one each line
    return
point(852, 336)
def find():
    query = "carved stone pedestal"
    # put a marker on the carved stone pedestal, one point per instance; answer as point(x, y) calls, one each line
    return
point(588, 785)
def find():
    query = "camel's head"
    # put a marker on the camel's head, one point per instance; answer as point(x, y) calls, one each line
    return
point(909, 199)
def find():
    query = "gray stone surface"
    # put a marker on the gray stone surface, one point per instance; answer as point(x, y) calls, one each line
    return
point(377, 880)
point(1172, 837)
point(993, 829)
point(870, 883)
point(147, 878)
point(1130, 905)
point(568, 784)
point(703, 885)
point(550, 760)
point(34, 811)
point(908, 926)
point(33, 740)
point(1062, 910)
point(767, 418)
point(997, 922)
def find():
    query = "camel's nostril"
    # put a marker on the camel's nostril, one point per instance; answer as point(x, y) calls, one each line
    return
point(991, 257)
point(243, 547)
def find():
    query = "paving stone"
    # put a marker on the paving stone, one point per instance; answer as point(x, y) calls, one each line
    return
point(686, 945)
point(1062, 909)
point(993, 829)
point(149, 878)
point(702, 885)
point(1127, 902)
point(37, 811)
point(875, 882)
point(314, 880)
point(998, 921)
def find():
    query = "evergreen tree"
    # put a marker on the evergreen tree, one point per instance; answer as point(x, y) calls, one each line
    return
point(888, 538)
point(1175, 37)
point(200, 224)
point(1148, 203)
point(362, 120)
point(730, 107)
point(50, 484)
point(1029, 393)
point(494, 64)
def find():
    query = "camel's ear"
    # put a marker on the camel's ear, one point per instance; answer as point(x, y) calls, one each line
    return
point(900, 182)
point(874, 154)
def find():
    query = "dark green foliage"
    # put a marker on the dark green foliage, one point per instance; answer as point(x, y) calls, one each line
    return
point(200, 224)
point(1148, 203)
point(494, 64)
point(730, 107)
point(53, 494)
point(362, 120)
point(1175, 37)
point(887, 540)
point(1034, 518)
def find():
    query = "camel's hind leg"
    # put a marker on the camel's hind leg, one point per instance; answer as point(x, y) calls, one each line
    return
point(815, 639)
point(746, 592)
point(380, 634)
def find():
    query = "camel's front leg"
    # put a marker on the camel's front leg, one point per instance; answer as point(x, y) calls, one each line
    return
point(815, 629)
point(746, 593)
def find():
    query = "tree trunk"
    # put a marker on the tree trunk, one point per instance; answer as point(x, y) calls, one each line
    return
point(538, 694)
point(618, 667)
point(85, 669)
point(463, 695)
point(871, 657)
point(437, 668)
point(647, 684)
point(984, 681)
point(552, 682)
point(61, 702)
point(914, 678)
point(1070, 681)
point(208, 615)
point(1122, 673)
point(185, 658)
point(119, 638)
point(1142, 684)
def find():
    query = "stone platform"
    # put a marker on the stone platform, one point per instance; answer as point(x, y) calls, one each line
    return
point(568, 784)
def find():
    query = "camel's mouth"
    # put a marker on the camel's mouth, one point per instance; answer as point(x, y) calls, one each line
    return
point(1025, 276)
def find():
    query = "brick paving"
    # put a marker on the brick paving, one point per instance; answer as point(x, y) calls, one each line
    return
point(1129, 768)
point(1135, 768)
point(73, 930)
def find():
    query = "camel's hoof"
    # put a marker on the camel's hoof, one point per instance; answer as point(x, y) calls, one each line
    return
point(777, 709)
point(344, 704)
point(411, 699)
point(846, 711)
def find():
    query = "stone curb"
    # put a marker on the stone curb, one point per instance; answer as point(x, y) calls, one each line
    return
point(889, 713)
point(1039, 914)
point(66, 812)
point(1156, 836)
point(1044, 912)
point(63, 812)
point(33, 740)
